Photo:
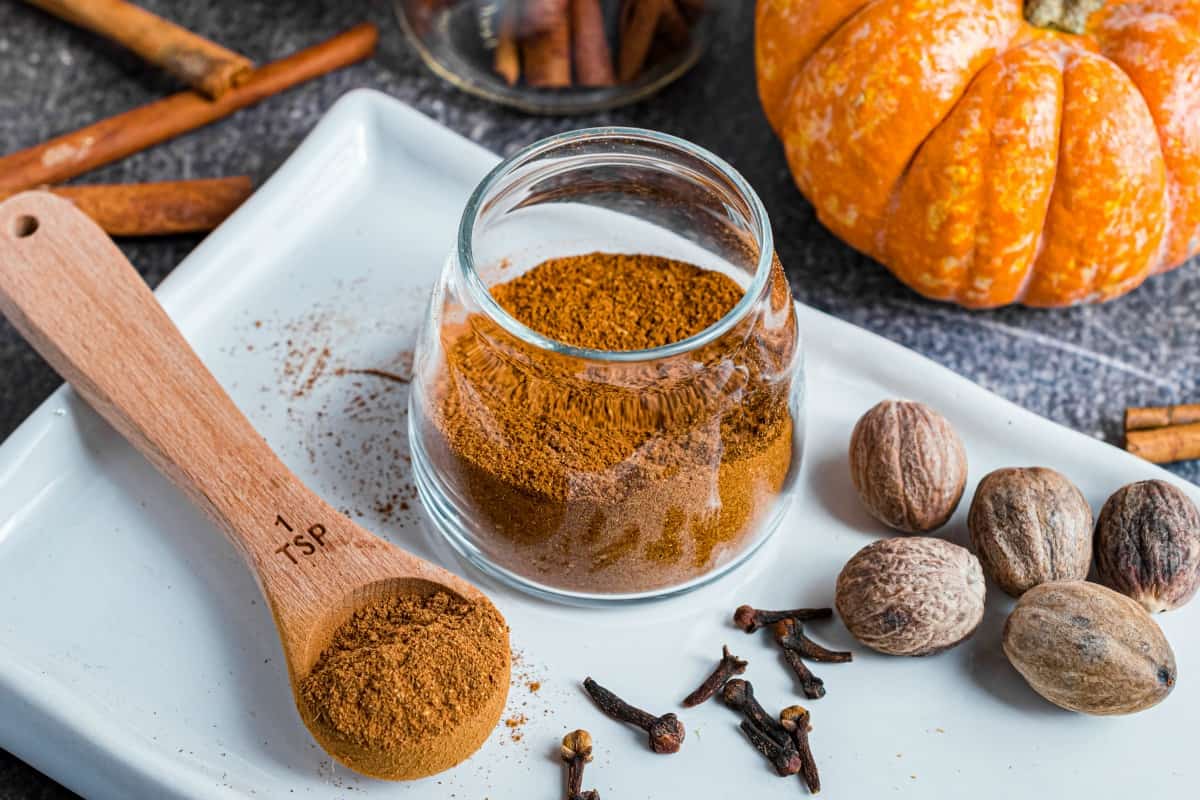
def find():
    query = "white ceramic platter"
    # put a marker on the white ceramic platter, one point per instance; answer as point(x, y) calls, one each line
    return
point(137, 660)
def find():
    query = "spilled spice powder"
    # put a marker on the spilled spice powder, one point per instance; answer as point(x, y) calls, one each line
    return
point(406, 668)
point(598, 476)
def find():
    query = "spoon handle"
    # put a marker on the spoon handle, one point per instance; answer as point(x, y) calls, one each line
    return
point(72, 294)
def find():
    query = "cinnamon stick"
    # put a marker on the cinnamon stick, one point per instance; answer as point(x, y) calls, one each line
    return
point(1137, 419)
point(1165, 445)
point(673, 25)
point(159, 209)
point(547, 56)
point(593, 58)
point(541, 16)
point(114, 138)
point(639, 23)
point(207, 67)
point(507, 57)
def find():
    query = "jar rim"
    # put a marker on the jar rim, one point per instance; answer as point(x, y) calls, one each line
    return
point(483, 297)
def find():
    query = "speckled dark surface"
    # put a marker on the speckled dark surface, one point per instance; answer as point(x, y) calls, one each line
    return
point(1080, 367)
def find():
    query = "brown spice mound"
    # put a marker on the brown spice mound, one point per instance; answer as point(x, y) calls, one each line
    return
point(615, 477)
point(618, 302)
point(406, 668)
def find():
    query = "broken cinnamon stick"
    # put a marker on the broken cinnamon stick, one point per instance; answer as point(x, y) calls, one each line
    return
point(547, 56)
point(1137, 419)
point(207, 67)
point(1165, 445)
point(639, 23)
point(159, 209)
point(74, 153)
point(593, 58)
point(507, 57)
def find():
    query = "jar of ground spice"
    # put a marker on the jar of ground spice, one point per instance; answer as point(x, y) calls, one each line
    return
point(607, 391)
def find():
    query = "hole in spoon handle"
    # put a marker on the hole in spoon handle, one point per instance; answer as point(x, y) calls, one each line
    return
point(24, 226)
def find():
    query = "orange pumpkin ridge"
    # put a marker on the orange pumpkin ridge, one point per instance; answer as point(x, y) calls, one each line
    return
point(798, 28)
point(986, 161)
point(1159, 49)
point(969, 211)
point(866, 99)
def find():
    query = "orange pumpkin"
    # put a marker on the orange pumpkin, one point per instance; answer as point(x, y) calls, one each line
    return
point(986, 159)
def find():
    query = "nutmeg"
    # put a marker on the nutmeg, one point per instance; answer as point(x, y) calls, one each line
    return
point(908, 465)
point(911, 596)
point(1148, 545)
point(1029, 526)
point(1087, 648)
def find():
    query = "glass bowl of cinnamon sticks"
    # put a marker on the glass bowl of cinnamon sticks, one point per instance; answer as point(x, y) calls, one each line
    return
point(559, 56)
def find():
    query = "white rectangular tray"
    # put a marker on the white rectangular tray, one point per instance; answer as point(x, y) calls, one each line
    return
point(137, 660)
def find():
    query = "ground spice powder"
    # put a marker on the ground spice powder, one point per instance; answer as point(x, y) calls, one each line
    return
point(408, 667)
point(610, 477)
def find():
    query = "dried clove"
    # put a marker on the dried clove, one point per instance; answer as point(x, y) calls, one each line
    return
point(795, 720)
point(789, 634)
point(812, 686)
point(738, 694)
point(577, 751)
point(730, 665)
point(751, 619)
point(783, 757)
point(768, 736)
point(666, 732)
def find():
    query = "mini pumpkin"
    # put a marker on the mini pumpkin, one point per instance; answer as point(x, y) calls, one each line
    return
point(991, 152)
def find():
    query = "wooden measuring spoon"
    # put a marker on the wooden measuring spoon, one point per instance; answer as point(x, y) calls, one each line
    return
point(71, 293)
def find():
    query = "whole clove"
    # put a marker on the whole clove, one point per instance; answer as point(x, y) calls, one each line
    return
point(751, 619)
point(729, 666)
point(738, 694)
point(795, 720)
point(666, 732)
point(767, 734)
point(812, 686)
point(577, 751)
point(783, 757)
point(789, 634)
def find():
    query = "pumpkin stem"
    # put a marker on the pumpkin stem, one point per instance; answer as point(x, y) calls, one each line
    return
point(1063, 15)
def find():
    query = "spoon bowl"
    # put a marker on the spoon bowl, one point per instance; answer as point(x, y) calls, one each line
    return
point(71, 293)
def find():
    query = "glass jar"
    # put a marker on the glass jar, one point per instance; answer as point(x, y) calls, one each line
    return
point(602, 476)
point(457, 41)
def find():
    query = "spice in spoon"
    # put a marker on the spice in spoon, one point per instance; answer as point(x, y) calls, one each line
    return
point(408, 668)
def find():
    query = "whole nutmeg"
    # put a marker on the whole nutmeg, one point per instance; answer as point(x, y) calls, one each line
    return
point(911, 596)
point(1029, 526)
point(1148, 545)
point(908, 465)
point(1086, 648)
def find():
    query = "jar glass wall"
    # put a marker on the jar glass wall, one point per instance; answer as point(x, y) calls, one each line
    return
point(602, 476)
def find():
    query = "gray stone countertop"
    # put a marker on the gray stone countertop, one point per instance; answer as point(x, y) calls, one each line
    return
point(1080, 366)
